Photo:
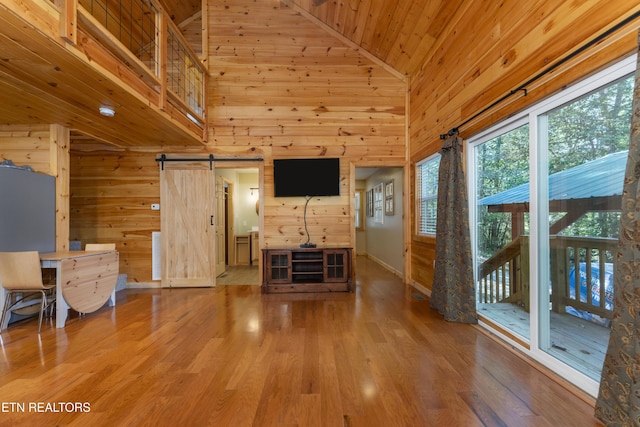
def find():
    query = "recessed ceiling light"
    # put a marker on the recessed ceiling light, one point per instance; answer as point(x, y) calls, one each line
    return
point(107, 111)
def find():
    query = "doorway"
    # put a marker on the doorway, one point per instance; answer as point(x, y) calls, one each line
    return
point(379, 218)
point(240, 196)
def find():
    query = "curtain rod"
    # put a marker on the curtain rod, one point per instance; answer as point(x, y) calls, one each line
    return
point(523, 86)
point(163, 158)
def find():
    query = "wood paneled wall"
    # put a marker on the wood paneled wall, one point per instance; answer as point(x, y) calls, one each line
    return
point(480, 60)
point(27, 146)
point(111, 199)
point(280, 86)
point(45, 148)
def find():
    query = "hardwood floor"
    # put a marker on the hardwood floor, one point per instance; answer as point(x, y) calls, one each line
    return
point(239, 275)
point(230, 356)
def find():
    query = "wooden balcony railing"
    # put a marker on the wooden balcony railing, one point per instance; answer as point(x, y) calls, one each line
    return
point(583, 256)
point(505, 276)
point(501, 277)
point(141, 35)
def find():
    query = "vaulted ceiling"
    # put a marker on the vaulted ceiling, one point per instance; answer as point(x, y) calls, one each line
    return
point(37, 85)
point(42, 80)
point(401, 33)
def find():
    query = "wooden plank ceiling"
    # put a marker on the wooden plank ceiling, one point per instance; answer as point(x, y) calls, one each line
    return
point(41, 83)
point(400, 33)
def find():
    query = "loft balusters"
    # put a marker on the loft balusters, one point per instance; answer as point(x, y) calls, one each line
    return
point(141, 35)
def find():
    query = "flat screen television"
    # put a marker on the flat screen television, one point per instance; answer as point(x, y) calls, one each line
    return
point(306, 177)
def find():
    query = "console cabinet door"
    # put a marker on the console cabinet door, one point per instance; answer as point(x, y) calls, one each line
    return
point(336, 265)
point(278, 267)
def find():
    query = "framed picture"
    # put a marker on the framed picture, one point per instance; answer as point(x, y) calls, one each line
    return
point(369, 206)
point(378, 203)
point(388, 198)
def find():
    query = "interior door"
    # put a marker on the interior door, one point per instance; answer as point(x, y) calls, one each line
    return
point(187, 197)
point(220, 227)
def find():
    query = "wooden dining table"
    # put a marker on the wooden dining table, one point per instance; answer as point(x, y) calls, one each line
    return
point(85, 280)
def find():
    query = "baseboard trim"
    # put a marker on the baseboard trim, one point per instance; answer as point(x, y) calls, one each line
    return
point(143, 285)
point(386, 266)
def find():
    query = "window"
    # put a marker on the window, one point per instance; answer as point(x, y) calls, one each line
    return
point(427, 194)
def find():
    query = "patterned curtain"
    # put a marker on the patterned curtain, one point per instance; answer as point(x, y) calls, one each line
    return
point(453, 293)
point(618, 402)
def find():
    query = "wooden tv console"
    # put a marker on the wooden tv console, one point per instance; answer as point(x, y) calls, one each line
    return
point(307, 270)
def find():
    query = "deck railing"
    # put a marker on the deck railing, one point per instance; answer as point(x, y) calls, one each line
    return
point(501, 277)
point(574, 262)
point(582, 256)
point(141, 35)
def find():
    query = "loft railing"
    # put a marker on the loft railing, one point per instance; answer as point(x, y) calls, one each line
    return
point(133, 24)
point(141, 35)
point(185, 79)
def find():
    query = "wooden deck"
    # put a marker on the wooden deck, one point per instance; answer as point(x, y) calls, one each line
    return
point(577, 342)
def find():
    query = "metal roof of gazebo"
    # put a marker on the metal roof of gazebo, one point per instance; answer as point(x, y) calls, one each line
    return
point(594, 180)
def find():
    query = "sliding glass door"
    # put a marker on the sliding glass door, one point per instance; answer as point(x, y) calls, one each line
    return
point(545, 194)
point(586, 142)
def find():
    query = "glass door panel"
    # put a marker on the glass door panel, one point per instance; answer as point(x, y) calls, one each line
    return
point(501, 165)
point(586, 142)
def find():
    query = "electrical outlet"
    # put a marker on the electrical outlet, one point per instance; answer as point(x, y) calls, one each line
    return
point(155, 206)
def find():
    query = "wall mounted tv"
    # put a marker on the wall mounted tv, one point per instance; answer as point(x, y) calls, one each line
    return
point(306, 177)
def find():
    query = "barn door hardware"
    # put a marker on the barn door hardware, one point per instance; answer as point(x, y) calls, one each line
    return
point(163, 158)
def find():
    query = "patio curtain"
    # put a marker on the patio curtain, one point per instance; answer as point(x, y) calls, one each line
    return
point(453, 293)
point(618, 402)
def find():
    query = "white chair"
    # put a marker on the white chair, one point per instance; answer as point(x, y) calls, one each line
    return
point(96, 247)
point(100, 247)
point(20, 272)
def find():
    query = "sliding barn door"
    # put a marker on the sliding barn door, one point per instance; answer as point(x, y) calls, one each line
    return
point(187, 200)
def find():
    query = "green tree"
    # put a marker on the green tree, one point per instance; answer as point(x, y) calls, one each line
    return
point(583, 130)
point(586, 129)
point(503, 163)
point(590, 127)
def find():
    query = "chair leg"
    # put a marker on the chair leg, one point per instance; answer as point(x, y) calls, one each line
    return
point(43, 306)
point(7, 301)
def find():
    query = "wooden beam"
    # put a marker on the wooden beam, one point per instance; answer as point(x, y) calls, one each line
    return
point(69, 21)
point(161, 54)
point(204, 55)
point(59, 147)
